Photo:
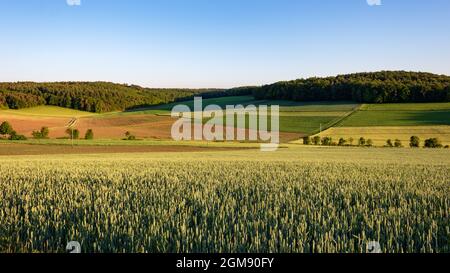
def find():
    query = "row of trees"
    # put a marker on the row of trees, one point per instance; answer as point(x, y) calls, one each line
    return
point(377, 87)
point(75, 134)
point(328, 141)
point(362, 142)
point(7, 131)
point(415, 142)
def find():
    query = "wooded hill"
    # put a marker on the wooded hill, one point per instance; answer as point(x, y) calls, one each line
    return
point(377, 87)
point(95, 96)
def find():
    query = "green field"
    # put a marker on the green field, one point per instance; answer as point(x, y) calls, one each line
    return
point(295, 117)
point(48, 111)
point(400, 115)
point(297, 200)
point(300, 199)
point(222, 102)
point(285, 106)
point(444, 106)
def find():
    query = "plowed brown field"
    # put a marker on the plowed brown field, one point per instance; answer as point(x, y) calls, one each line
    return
point(106, 127)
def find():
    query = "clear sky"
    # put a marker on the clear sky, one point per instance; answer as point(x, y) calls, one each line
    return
point(218, 43)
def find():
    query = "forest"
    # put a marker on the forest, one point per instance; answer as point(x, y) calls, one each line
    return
point(94, 97)
point(99, 97)
point(376, 87)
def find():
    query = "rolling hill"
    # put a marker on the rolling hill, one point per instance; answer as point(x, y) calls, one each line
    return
point(97, 97)
point(101, 97)
point(307, 107)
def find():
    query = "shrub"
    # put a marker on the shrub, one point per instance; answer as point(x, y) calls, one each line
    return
point(42, 134)
point(306, 141)
point(369, 143)
point(351, 140)
point(362, 141)
point(36, 135)
point(73, 133)
point(389, 143)
point(433, 143)
point(316, 140)
point(398, 143)
point(414, 142)
point(327, 141)
point(129, 136)
point(446, 147)
point(89, 134)
point(14, 136)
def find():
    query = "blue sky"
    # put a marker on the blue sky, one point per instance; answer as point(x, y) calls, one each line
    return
point(218, 43)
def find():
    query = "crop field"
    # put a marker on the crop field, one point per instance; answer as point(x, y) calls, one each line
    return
point(296, 118)
point(410, 114)
point(296, 200)
point(48, 111)
point(378, 122)
point(379, 135)
point(285, 106)
point(53, 149)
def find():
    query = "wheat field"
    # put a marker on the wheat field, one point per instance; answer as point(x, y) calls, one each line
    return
point(379, 135)
point(297, 200)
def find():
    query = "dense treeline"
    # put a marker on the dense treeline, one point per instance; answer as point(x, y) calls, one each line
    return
point(377, 87)
point(89, 96)
point(239, 91)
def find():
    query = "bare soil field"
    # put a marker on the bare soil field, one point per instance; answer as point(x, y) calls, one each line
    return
point(108, 127)
point(25, 125)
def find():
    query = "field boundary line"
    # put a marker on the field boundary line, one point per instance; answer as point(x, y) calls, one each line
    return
point(339, 120)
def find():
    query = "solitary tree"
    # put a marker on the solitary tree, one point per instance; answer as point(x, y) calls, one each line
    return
point(89, 134)
point(414, 142)
point(5, 128)
point(342, 142)
point(44, 132)
point(369, 143)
